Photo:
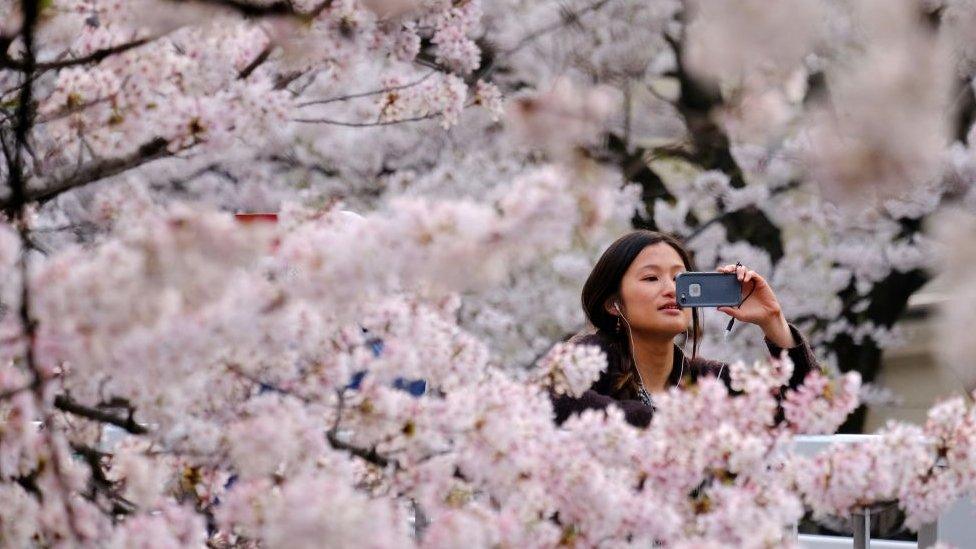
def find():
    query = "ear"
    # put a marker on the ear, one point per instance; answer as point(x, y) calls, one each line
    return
point(611, 305)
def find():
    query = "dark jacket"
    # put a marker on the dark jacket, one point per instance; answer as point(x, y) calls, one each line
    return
point(684, 370)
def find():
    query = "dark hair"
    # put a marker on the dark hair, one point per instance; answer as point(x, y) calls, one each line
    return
point(604, 283)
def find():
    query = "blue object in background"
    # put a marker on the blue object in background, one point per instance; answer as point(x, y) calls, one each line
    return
point(376, 345)
point(415, 387)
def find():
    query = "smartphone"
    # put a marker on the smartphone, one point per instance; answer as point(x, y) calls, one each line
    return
point(708, 289)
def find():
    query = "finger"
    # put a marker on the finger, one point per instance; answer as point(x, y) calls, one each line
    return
point(729, 311)
point(758, 280)
point(749, 276)
point(726, 268)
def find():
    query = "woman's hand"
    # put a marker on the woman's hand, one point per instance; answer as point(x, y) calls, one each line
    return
point(762, 308)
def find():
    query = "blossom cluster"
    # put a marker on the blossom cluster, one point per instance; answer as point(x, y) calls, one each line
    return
point(820, 405)
point(922, 468)
point(189, 288)
point(571, 369)
point(201, 77)
point(257, 390)
point(194, 380)
point(241, 382)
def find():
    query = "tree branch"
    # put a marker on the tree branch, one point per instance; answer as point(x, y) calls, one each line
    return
point(16, 391)
point(29, 483)
point(70, 178)
point(100, 483)
point(370, 455)
point(341, 395)
point(257, 62)
point(291, 163)
point(51, 117)
point(248, 9)
point(67, 404)
point(793, 184)
point(287, 78)
point(95, 57)
point(16, 208)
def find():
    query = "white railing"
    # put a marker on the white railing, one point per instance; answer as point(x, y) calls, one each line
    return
point(956, 526)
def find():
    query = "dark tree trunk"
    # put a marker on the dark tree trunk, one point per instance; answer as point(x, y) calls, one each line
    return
point(888, 302)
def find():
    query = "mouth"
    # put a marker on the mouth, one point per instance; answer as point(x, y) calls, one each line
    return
point(672, 306)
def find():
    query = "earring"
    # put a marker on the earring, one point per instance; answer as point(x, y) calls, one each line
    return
point(618, 323)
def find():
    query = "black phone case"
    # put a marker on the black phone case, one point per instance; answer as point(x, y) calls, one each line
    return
point(714, 289)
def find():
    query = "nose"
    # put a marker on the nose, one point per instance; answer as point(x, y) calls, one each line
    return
point(670, 286)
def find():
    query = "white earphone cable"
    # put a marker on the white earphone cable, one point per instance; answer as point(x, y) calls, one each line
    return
point(633, 357)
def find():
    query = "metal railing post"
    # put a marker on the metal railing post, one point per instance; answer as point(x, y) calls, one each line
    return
point(862, 529)
point(928, 534)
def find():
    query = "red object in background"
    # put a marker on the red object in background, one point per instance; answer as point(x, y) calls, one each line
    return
point(253, 217)
point(256, 217)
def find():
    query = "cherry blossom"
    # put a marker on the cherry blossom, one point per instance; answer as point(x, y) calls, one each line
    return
point(177, 377)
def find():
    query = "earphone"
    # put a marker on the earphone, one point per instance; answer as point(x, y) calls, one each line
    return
point(630, 343)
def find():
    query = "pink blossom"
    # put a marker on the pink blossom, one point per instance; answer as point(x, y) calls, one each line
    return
point(821, 404)
point(571, 369)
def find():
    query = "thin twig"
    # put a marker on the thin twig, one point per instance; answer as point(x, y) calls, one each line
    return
point(373, 124)
point(567, 18)
point(51, 117)
point(236, 370)
point(366, 94)
point(341, 396)
point(367, 454)
point(366, 124)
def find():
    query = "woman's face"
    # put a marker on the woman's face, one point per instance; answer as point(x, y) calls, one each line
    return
point(648, 292)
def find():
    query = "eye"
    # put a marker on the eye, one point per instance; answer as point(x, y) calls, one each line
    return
point(651, 278)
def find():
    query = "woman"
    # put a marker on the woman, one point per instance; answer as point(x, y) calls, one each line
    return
point(629, 298)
